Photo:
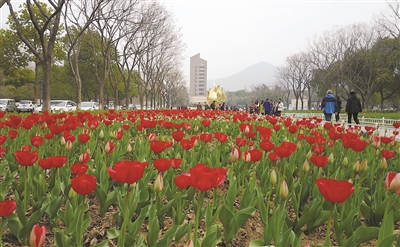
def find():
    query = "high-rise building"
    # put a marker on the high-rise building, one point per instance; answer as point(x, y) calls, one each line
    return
point(198, 76)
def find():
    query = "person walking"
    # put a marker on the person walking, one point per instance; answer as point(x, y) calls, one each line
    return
point(267, 107)
point(329, 105)
point(353, 107)
point(338, 108)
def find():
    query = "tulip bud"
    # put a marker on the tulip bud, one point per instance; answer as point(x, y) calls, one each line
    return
point(285, 139)
point(298, 145)
point(284, 190)
point(129, 148)
point(152, 137)
point(395, 184)
point(71, 194)
point(107, 148)
point(158, 184)
point(68, 145)
point(273, 178)
point(383, 164)
point(350, 180)
point(309, 154)
point(113, 134)
point(356, 166)
point(377, 152)
point(246, 129)
point(235, 154)
point(345, 162)
point(37, 237)
point(246, 156)
point(364, 165)
point(101, 134)
point(196, 128)
point(306, 166)
point(331, 159)
point(62, 141)
point(189, 243)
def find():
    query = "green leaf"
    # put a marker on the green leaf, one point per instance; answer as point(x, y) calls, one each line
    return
point(168, 237)
point(14, 224)
point(102, 244)
point(256, 243)
point(225, 216)
point(112, 233)
point(211, 239)
point(361, 235)
point(154, 228)
point(387, 227)
point(387, 241)
point(242, 216)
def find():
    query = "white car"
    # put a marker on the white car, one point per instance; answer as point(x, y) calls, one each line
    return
point(89, 106)
point(25, 106)
point(59, 105)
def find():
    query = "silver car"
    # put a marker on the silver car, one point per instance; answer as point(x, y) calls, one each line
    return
point(8, 105)
point(59, 106)
point(89, 106)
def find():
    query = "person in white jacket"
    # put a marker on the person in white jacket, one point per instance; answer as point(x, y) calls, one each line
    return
point(279, 107)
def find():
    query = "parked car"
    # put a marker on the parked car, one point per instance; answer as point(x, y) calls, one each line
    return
point(89, 106)
point(59, 105)
point(130, 107)
point(25, 106)
point(8, 105)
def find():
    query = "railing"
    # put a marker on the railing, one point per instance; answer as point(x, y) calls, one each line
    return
point(363, 120)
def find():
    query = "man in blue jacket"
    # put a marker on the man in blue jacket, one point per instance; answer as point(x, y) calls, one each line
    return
point(329, 105)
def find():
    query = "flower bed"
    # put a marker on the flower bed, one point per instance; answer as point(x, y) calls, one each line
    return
point(169, 177)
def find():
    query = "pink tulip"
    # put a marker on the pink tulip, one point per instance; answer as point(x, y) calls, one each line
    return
point(38, 235)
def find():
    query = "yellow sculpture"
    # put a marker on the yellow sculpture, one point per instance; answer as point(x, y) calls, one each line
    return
point(217, 94)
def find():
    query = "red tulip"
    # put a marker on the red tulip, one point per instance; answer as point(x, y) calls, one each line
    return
point(26, 158)
point(83, 184)
point(79, 168)
point(206, 122)
point(127, 171)
point(292, 129)
point(38, 236)
point(3, 139)
point(221, 137)
point(187, 144)
point(162, 164)
point(45, 163)
point(396, 125)
point(178, 135)
point(273, 157)
point(7, 207)
point(37, 141)
point(93, 124)
point(319, 160)
point(2, 152)
point(12, 134)
point(317, 149)
point(240, 141)
point(267, 146)
point(358, 145)
point(157, 146)
point(175, 162)
point(83, 138)
point(206, 137)
point(387, 139)
point(334, 190)
point(387, 154)
point(182, 181)
point(282, 152)
point(255, 155)
point(203, 178)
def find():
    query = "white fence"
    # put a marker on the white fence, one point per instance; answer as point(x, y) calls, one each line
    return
point(343, 117)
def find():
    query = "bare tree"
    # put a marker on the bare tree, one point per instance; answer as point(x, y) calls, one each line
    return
point(47, 33)
point(78, 16)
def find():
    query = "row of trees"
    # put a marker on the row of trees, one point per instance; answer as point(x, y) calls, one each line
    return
point(92, 49)
point(360, 57)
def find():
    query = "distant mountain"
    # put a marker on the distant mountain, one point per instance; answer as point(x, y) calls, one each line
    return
point(260, 73)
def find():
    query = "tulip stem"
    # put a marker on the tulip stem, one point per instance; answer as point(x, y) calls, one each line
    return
point(80, 230)
point(197, 219)
point(328, 231)
point(1, 231)
point(26, 188)
point(121, 239)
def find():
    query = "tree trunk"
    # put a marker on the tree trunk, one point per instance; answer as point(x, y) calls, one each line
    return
point(46, 65)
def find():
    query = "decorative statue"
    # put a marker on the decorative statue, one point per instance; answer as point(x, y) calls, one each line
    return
point(217, 94)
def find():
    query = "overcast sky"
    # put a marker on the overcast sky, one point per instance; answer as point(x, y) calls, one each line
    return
point(233, 35)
